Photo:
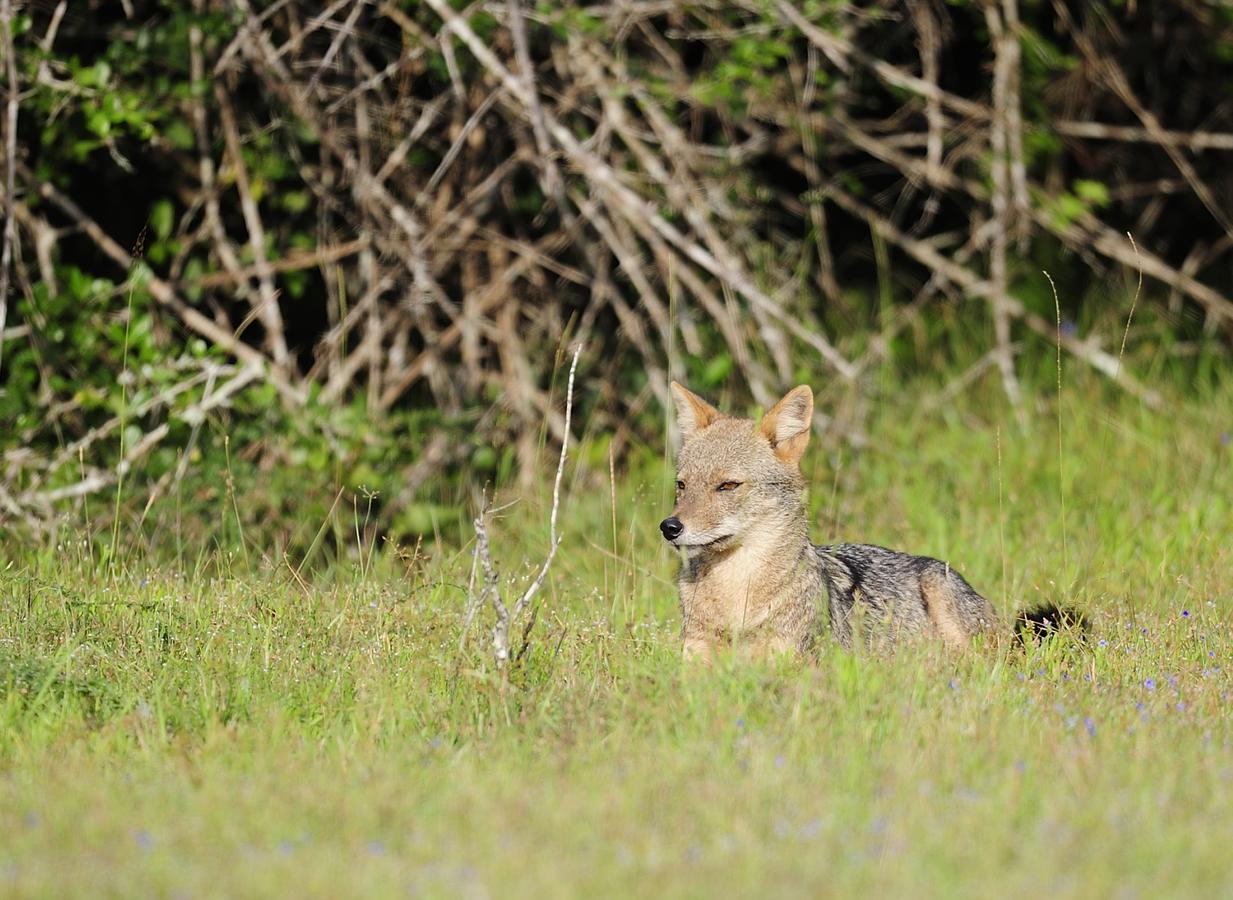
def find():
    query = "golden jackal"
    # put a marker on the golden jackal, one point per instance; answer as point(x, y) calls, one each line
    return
point(750, 574)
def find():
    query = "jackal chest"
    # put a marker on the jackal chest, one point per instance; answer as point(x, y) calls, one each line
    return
point(751, 597)
point(724, 607)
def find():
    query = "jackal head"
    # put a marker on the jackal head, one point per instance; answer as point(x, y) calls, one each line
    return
point(737, 479)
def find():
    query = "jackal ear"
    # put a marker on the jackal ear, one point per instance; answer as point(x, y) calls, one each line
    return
point(787, 423)
point(692, 412)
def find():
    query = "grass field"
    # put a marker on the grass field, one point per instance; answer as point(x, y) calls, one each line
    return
point(210, 725)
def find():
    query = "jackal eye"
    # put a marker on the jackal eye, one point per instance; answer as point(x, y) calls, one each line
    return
point(728, 486)
point(680, 486)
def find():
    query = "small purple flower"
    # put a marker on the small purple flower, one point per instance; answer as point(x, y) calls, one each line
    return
point(779, 762)
point(144, 839)
point(953, 684)
point(1102, 643)
point(376, 848)
point(812, 828)
point(1185, 614)
point(1069, 328)
point(1150, 684)
point(1225, 437)
point(1181, 707)
point(1090, 725)
point(740, 723)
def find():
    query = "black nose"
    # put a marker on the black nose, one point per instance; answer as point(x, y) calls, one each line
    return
point(672, 528)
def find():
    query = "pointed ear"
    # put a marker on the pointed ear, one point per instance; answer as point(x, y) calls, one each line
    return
point(787, 424)
point(692, 412)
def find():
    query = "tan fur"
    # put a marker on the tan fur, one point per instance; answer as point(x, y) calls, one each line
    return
point(750, 577)
point(941, 607)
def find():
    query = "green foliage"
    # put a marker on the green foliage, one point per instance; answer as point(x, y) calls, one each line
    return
point(111, 102)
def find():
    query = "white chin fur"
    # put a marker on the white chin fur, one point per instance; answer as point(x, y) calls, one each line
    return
point(696, 544)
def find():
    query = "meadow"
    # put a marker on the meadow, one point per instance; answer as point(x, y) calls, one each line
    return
point(211, 721)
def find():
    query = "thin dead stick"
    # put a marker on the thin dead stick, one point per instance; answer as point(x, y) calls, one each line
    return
point(553, 186)
point(101, 479)
point(1087, 233)
point(292, 262)
point(628, 202)
point(839, 51)
point(553, 538)
point(346, 31)
point(1191, 140)
point(483, 554)
point(10, 159)
point(1002, 213)
point(972, 283)
point(268, 310)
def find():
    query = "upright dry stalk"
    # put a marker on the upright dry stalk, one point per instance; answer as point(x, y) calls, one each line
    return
point(491, 583)
point(1004, 60)
point(10, 162)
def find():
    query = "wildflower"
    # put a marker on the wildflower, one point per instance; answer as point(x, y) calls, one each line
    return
point(1090, 725)
point(1150, 684)
point(144, 839)
point(1102, 643)
point(1185, 614)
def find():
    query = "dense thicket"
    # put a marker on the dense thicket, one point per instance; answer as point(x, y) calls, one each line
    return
point(356, 237)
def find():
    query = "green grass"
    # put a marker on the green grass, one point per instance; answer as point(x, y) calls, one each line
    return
point(207, 728)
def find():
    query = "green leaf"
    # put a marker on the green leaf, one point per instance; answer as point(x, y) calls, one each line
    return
point(162, 218)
